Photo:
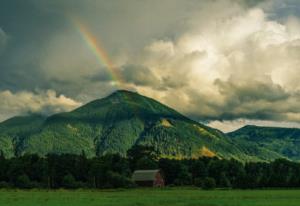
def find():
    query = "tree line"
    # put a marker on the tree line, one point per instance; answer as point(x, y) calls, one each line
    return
point(114, 171)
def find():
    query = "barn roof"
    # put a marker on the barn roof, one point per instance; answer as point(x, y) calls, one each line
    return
point(144, 175)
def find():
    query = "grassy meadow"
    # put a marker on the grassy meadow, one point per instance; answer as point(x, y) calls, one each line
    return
point(153, 197)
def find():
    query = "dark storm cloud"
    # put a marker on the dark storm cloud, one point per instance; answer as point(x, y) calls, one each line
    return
point(33, 27)
point(101, 76)
point(250, 99)
point(247, 91)
point(28, 30)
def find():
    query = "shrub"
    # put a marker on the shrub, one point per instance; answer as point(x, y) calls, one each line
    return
point(116, 180)
point(36, 184)
point(69, 182)
point(198, 182)
point(4, 184)
point(224, 181)
point(23, 182)
point(209, 183)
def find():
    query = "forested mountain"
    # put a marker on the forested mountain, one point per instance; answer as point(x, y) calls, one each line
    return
point(113, 125)
point(123, 119)
point(283, 142)
point(15, 131)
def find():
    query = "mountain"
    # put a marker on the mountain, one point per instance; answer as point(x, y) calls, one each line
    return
point(123, 119)
point(113, 125)
point(279, 142)
point(14, 131)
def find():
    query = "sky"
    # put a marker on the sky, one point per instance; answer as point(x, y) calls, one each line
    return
point(226, 63)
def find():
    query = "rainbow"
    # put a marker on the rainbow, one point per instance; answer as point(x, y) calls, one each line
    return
point(96, 47)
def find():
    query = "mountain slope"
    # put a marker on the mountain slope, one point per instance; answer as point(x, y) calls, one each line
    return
point(15, 130)
point(281, 142)
point(114, 124)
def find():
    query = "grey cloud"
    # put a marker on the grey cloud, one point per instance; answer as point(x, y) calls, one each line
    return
point(252, 100)
point(218, 59)
point(101, 76)
point(123, 24)
point(281, 10)
point(169, 82)
point(139, 75)
point(247, 91)
point(46, 50)
point(3, 40)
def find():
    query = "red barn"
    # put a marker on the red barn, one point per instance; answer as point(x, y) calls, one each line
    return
point(148, 178)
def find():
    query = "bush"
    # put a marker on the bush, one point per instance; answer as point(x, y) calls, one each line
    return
point(4, 184)
point(116, 180)
point(182, 182)
point(69, 182)
point(23, 182)
point(40, 185)
point(209, 183)
point(198, 182)
point(224, 181)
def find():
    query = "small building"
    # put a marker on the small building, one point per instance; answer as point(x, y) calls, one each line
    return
point(148, 178)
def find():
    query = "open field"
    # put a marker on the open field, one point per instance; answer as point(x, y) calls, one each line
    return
point(147, 197)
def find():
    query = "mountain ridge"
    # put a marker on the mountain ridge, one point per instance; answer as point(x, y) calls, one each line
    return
point(283, 141)
point(115, 124)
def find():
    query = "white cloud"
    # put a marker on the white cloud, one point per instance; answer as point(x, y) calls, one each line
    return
point(24, 102)
point(237, 63)
point(229, 126)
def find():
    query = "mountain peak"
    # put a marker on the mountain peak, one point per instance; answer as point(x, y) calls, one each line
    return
point(124, 91)
point(249, 126)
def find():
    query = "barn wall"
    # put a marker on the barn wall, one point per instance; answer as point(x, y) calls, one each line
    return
point(144, 183)
point(159, 181)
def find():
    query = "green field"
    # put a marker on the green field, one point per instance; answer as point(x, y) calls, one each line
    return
point(147, 197)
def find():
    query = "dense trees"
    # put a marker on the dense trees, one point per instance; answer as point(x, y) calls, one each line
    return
point(233, 174)
point(208, 183)
point(113, 171)
point(68, 171)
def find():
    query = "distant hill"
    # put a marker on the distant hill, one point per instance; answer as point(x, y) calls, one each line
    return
point(123, 119)
point(280, 142)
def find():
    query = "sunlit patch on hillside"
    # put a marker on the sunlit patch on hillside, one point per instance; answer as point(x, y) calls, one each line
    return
point(166, 123)
point(174, 157)
point(115, 101)
point(74, 129)
point(205, 152)
point(204, 132)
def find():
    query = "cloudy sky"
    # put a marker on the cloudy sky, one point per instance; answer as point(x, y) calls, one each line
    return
point(223, 62)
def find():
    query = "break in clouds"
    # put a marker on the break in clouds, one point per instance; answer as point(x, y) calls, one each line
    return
point(228, 63)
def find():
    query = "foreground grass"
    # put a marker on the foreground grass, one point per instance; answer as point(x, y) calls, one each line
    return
point(151, 197)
